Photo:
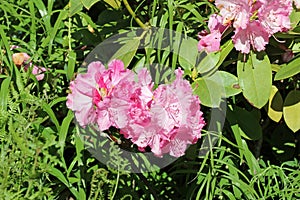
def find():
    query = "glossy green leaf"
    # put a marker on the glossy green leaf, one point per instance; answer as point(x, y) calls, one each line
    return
point(230, 83)
point(127, 51)
point(188, 53)
point(75, 6)
point(291, 69)
point(295, 18)
point(88, 3)
point(291, 110)
point(208, 62)
point(211, 89)
point(255, 78)
point(275, 105)
point(113, 3)
point(225, 50)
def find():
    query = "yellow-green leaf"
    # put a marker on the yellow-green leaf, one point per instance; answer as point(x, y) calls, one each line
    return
point(289, 70)
point(255, 78)
point(88, 3)
point(113, 3)
point(275, 105)
point(291, 110)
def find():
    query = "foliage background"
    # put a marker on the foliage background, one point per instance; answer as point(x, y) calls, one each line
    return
point(42, 157)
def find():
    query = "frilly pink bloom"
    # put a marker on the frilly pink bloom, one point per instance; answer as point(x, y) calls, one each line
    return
point(170, 117)
point(274, 15)
point(91, 94)
point(237, 12)
point(210, 42)
point(254, 36)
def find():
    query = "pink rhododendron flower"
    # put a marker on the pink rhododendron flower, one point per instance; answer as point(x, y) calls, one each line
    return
point(159, 119)
point(237, 12)
point(274, 15)
point(91, 94)
point(158, 122)
point(210, 42)
point(254, 35)
point(251, 20)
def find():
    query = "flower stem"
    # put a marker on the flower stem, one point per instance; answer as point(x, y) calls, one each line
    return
point(138, 21)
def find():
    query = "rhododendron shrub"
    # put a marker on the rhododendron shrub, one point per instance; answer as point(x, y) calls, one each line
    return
point(166, 119)
point(253, 22)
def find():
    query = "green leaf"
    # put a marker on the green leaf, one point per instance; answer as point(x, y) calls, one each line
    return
point(247, 122)
point(291, 110)
point(75, 6)
point(211, 89)
point(113, 3)
point(64, 129)
point(71, 64)
point(295, 18)
point(127, 51)
point(4, 93)
point(275, 105)
point(208, 62)
point(51, 114)
point(88, 3)
point(291, 69)
point(59, 175)
point(230, 83)
point(188, 54)
point(255, 78)
point(225, 50)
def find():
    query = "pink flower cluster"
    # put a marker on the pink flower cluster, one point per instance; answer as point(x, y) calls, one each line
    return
point(254, 22)
point(166, 119)
point(22, 59)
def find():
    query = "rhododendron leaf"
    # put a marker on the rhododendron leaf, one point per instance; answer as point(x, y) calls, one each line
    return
point(291, 110)
point(255, 78)
point(295, 18)
point(188, 54)
point(208, 62)
point(247, 122)
point(291, 69)
point(225, 50)
point(75, 6)
point(230, 83)
point(113, 3)
point(127, 51)
point(88, 3)
point(275, 105)
point(211, 89)
point(208, 90)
